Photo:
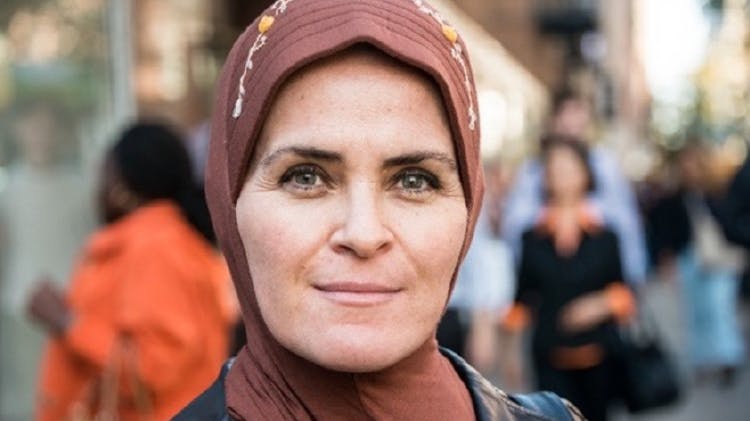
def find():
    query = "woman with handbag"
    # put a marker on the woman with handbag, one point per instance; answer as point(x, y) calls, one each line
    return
point(570, 281)
point(145, 322)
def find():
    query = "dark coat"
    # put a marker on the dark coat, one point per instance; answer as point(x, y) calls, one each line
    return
point(669, 226)
point(490, 403)
point(548, 282)
point(734, 214)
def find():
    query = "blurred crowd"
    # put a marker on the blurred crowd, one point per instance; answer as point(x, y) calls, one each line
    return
point(579, 244)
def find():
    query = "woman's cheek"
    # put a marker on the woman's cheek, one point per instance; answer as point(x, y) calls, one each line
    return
point(432, 236)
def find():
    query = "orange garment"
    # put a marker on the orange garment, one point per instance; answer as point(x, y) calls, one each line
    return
point(516, 319)
point(577, 357)
point(621, 301)
point(567, 230)
point(151, 278)
point(619, 298)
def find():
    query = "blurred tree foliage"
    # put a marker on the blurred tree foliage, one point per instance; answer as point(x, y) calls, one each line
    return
point(9, 7)
point(717, 5)
point(74, 79)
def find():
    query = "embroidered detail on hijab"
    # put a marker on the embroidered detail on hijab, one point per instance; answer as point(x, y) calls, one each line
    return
point(451, 35)
point(264, 25)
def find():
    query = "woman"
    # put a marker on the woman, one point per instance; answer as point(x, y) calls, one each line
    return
point(144, 326)
point(344, 183)
point(570, 276)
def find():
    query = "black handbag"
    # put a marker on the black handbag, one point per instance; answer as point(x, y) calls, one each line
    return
point(648, 377)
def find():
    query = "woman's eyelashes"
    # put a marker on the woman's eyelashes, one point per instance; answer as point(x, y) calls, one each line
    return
point(310, 180)
point(307, 179)
point(415, 182)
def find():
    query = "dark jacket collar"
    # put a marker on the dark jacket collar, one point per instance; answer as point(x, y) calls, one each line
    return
point(490, 403)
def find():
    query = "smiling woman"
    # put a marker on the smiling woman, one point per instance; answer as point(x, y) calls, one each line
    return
point(344, 183)
point(363, 197)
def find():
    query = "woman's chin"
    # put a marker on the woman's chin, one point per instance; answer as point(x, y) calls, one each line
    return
point(358, 352)
point(356, 362)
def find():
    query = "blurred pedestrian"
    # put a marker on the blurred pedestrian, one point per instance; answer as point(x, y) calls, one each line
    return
point(144, 324)
point(570, 287)
point(45, 215)
point(344, 182)
point(736, 207)
point(571, 116)
point(708, 264)
point(736, 216)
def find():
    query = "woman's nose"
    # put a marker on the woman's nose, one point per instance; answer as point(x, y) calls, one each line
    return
point(362, 230)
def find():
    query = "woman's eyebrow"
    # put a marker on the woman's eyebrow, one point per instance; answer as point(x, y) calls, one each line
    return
point(417, 157)
point(304, 152)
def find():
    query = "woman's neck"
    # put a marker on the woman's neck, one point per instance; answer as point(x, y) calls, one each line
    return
point(567, 201)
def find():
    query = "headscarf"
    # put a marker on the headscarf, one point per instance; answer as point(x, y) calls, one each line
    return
point(268, 381)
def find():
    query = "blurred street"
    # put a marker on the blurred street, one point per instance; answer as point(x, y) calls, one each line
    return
point(615, 144)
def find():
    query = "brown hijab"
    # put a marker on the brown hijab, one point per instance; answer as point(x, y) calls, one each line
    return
point(267, 381)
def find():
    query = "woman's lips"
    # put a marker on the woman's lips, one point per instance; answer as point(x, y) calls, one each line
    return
point(358, 294)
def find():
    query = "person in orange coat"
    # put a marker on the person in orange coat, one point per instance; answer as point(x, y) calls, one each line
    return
point(148, 311)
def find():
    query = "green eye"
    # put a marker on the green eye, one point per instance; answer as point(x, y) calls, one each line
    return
point(417, 181)
point(305, 178)
point(413, 182)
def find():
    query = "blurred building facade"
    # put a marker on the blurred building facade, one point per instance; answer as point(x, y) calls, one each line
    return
point(591, 46)
point(60, 70)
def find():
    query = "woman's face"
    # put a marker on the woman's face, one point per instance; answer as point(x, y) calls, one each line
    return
point(114, 199)
point(352, 214)
point(567, 179)
point(572, 119)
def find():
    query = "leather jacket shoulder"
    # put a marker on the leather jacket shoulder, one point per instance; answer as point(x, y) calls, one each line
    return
point(492, 404)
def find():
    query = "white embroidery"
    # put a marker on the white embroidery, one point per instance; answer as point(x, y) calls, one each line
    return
point(278, 7)
point(434, 13)
point(260, 41)
point(457, 54)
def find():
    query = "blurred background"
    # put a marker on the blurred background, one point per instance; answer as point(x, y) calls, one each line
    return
point(656, 76)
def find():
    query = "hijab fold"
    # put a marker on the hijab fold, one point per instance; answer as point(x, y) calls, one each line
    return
point(267, 381)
